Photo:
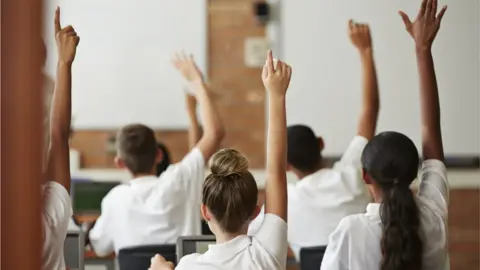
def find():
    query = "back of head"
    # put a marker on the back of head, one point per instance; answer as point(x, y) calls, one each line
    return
point(303, 150)
point(230, 192)
point(137, 148)
point(391, 160)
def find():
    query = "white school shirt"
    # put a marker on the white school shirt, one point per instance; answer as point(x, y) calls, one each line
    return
point(267, 249)
point(355, 244)
point(56, 216)
point(152, 210)
point(318, 202)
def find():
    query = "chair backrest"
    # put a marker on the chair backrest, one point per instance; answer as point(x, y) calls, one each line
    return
point(138, 258)
point(311, 257)
point(73, 250)
point(193, 244)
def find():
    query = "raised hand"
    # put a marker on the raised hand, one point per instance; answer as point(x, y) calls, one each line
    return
point(359, 34)
point(425, 27)
point(187, 67)
point(276, 79)
point(67, 40)
point(159, 263)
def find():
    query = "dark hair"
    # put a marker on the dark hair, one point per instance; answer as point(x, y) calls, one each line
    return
point(391, 160)
point(163, 165)
point(230, 191)
point(137, 147)
point(303, 151)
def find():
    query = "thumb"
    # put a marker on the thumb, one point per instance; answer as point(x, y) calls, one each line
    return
point(405, 18)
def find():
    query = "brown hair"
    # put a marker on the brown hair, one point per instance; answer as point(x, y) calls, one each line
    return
point(137, 147)
point(230, 191)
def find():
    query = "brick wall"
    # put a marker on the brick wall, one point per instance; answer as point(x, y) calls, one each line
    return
point(241, 102)
point(239, 93)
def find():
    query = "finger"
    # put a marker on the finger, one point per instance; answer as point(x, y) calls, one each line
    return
point(289, 72)
point(270, 68)
point(428, 9)
point(440, 15)
point(406, 19)
point(265, 71)
point(422, 10)
point(350, 24)
point(280, 68)
point(170, 265)
point(71, 34)
point(434, 8)
point(77, 40)
point(68, 29)
point(56, 21)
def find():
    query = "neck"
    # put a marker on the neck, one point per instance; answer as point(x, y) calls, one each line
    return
point(300, 175)
point(139, 175)
point(223, 237)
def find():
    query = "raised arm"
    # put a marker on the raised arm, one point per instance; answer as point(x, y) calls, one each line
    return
point(194, 130)
point(362, 40)
point(423, 31)
point(276, 81)
point(213, 129)
point(60, 116)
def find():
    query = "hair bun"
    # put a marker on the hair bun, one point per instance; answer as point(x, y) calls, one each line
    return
point(227, 162)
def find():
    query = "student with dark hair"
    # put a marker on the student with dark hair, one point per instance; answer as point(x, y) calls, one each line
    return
point(57, 207)
point(330, 193)
point(229, 201)
point(153, 209)
point(165, 162)
point(401, 230)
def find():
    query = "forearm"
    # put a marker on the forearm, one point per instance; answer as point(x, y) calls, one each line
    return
point(60, 115)
point(370, 95)
point(194, 132)
point(430, 105)
point(276, 186)
point(277, 138)
point(212, 123)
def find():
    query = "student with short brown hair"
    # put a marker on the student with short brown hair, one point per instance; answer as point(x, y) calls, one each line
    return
point(153, 209)
point(230, 196)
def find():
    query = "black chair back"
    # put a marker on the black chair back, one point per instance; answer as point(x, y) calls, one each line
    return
point(311, 257)
point(138, 258)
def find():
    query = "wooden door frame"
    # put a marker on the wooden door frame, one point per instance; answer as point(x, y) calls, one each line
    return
point(21, 134)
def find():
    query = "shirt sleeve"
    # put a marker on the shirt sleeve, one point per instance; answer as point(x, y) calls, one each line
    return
point(58, 205)
point(336, 256)
point(100, 238)
point(353, 154)
point(434, 184)
point(192, 170)
point(257, 222)
point(272, 235)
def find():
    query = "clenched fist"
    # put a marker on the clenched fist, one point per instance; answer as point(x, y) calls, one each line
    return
point(359, 34)
point(276, 78)
point(67, 40)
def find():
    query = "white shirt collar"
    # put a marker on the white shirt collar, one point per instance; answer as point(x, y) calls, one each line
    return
point(373, 211)
point(227, 250)
point(143, 180)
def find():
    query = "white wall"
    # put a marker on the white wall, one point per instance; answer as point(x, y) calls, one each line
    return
point(326, 83)
point(123, 70)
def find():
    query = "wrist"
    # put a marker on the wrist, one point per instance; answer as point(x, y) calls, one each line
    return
point(64, 63)
point(423, 49)
point(273, 95)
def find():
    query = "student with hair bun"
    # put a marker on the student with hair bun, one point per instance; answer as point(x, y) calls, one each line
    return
point(402, 231)
point(229, 196)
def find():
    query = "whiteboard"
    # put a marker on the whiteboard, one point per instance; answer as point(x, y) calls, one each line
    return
point(325, 90)
point(122, 72)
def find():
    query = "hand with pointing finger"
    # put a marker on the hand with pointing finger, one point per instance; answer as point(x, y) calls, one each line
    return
point(67, 40)
point(425, 27)
point(276, 79)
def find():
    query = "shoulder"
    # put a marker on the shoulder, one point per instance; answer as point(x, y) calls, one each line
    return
point(188, 261)
point(349, 225)
point(115, 194)
point(58, 205)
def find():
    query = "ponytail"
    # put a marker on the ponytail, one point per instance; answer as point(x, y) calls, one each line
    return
point(401, 244)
